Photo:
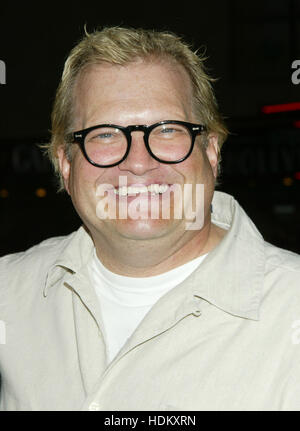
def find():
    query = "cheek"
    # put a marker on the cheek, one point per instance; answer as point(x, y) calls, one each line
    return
point(83, 175)
point(202, 165)
point(193, 169)
point(81, 186)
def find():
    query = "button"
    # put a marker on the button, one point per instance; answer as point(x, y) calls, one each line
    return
point(94, 406)
point(197, 313)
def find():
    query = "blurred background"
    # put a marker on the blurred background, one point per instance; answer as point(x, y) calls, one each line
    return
point(253, 48)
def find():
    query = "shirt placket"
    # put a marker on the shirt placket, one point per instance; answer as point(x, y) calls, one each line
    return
point(145, 332)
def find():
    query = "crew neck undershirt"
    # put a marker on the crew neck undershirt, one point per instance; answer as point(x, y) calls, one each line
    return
point(124, 301)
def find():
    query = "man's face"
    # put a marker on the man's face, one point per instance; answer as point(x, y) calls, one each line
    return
point(141, 93)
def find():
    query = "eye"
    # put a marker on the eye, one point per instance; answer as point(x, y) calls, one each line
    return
point(104, 135)
point(171, 131)
point(168, 130)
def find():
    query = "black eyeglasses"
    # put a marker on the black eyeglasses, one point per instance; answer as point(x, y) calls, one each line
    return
point(107, 145)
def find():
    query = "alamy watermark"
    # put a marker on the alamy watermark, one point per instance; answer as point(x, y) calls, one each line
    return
point(296, 74)
point(154, 201)
point(296, 332)
point(2, 72)
point(2, 332)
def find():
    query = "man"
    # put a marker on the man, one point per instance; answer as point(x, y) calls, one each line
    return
point(167, 298)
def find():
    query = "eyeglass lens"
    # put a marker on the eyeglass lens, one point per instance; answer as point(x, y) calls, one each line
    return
point(108, 145)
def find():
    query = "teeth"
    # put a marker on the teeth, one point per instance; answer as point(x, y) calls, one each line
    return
point(152, 188)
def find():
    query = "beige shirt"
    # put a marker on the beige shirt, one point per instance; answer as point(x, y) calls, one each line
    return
point(226, 338)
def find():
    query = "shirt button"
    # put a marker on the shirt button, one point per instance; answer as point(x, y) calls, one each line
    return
point(94, 406)
point(197, 313)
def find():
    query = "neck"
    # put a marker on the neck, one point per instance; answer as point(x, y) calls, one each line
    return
point(137, 258)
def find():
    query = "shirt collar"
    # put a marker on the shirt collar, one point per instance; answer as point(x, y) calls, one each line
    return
point(230, 277)
point(72, 258)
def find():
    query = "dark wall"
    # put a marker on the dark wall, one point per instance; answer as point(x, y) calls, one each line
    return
point(251, 46)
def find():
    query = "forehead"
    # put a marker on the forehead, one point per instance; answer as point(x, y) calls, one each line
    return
point(157, 85)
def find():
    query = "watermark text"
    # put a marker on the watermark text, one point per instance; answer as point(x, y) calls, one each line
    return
point(2, 332)
point(2, 72)
point(296, 74)
point(155, 201)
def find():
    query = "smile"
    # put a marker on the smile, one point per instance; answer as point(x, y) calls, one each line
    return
point(154, 189)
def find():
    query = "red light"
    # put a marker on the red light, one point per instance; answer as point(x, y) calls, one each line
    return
point(283, 107)
point(297, 175)
point(297, 124)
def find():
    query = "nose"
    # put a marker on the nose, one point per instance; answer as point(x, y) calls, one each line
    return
point(138, 161)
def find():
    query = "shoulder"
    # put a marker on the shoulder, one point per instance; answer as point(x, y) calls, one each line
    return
point(25, 270)
point(282, 282)
point(281, 260)
point(46, 251)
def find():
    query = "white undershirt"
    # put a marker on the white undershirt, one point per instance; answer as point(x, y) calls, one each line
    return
point(124, 301)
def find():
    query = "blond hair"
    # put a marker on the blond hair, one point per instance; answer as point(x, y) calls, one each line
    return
point(119, 45)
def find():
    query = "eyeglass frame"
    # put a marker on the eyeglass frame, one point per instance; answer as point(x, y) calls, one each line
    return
point(194, 130)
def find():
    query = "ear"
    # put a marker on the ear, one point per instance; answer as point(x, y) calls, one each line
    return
point(64, 167)
point(212, 152)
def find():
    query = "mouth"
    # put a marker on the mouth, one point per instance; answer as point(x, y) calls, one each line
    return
point(154, 189)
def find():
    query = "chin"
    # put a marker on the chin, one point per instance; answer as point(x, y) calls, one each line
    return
point(144, 229)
